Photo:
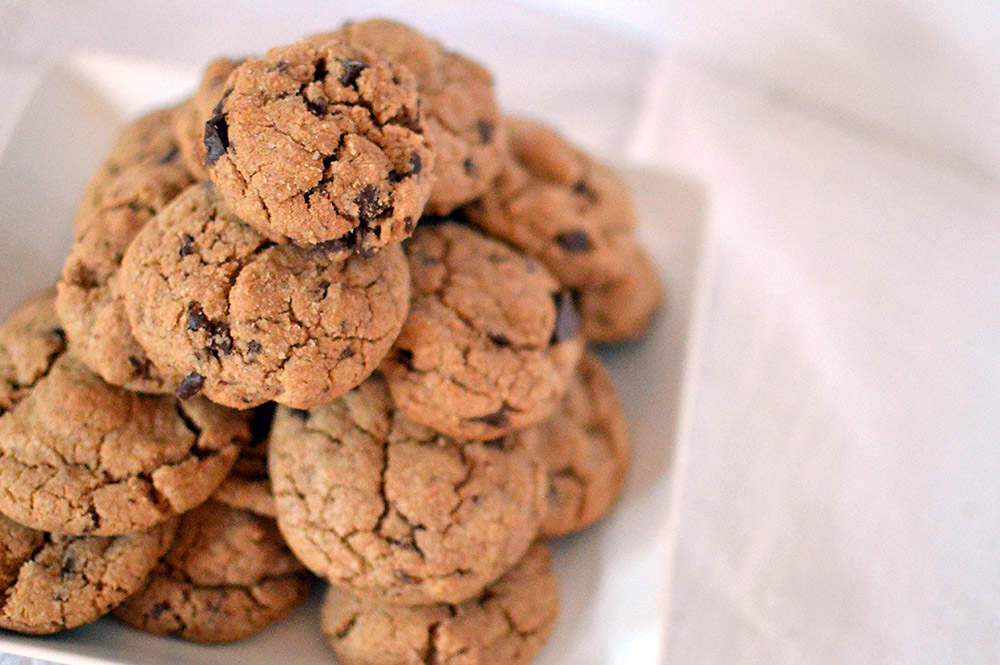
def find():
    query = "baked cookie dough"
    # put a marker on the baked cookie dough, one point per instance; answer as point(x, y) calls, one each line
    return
point(141, 175)
point(30, 341)
point(556, 203)
point(322, 142)
point(190, 118)
point(622, 310)
point(78, 456)
point(460, 111)
point(51, 583)
point(248, 486)
point(244, 320)
point(507, 624)
point(585, 447)
point(395, 512)
point(227, 576)
point(490, 342)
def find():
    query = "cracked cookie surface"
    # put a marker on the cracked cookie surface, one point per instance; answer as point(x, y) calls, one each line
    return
point(78, 456)
point(585, 447)
point(558, 204)
point(490, 341)
point(623, 309)
point(51, 583)
point(227, 576)
point(30, 341)
point(461, 115)
point(246, 321)
point(322, 142)
point(140, 176)
point(394, 511)
point(191, 116)
point(507, 624)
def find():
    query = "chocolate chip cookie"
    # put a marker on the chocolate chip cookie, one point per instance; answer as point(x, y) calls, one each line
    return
point(51, 583)
point(507, 624)
point(244, 320)
point(460, 111)
point(78, 456)
point(394, 511)
point(30, 341)
point(142, 174)
point(558, 204)
point(190, 118)
point(322, 143)
point(490, 342)
point(227, 576)
point(585, 447)
point(623, 309)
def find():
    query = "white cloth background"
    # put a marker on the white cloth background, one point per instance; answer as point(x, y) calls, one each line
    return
point(837, 497)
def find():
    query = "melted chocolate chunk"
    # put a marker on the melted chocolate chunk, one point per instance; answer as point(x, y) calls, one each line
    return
point(190, 386)
point(485, 128)
point(369, 206)
point(575, 241)
point(352, 70)
point(496, 419)
point(216, 138)
point(567, 318)
point(196, 317)
point(187, 245)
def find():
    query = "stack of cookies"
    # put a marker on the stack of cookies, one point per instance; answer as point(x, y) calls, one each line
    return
point(328, 317)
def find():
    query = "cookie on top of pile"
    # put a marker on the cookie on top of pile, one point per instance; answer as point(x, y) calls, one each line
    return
point(326, 318)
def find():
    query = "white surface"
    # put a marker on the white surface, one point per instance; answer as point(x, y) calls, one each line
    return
point(610, 609)
point(839, 501)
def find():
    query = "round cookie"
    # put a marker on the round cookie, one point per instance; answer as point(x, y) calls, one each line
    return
point(190, 118)
point(396, 512)
point(322, 142)
point(51, 583)
point(246, 321)
point(141, 175)
point(78, 456)
point(490, 342)
point(558, 204)
point(248, 486)
point(30, 341)
point(622, 310)
point(227, 576)
point(507, 624)
point(585, 447)
point(460, 112)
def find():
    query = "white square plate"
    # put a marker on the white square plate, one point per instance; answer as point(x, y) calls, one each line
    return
point(613, 578)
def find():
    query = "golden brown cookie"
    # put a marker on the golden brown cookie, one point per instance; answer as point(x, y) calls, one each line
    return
point(246, 321)
point(623, 309)
point(507, 624)
point(51, 583)
point(140, 176)
point(30, 341)
point(78, 456)
point(190, 118)
point(227, 576)
point(394, 511)
point(490, 342)
point(460, 111)
point(585, 447)
point(558, 204)
point(322, 142)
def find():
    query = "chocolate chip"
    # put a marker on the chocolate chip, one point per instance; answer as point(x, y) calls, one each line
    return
point(221, 341)
point(416, 163)
point(324, 288)
point(408, 225)
point(70, 563)
point(280, 66)
point(334, 247)
point(140, 366)
point(216, 138)
point(347, 353)
point(352, 69)
point(217, 109)
point(300, 414)
point(485, 128)
point(575, 241)
point(468, 166)
point(405, 358)
point(59, 334)
point(496, 419)
point(190, 386)
point(85, 278)
point(499, 340)
point(319, 72)
point(317, 107)
point(253, 349)
point(369, 207)
point(171, 154)
point(567, 318)
point(583, 189)
point(196, 317)
point(187, 245)
point(497, 444)
point(158, 610)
